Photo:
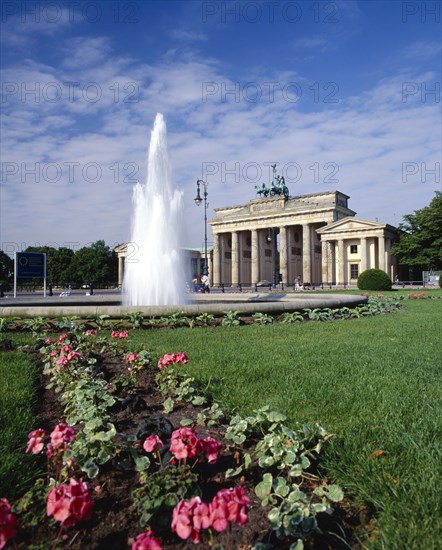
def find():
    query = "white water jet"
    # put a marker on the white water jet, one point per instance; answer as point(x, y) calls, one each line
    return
point(154, 273)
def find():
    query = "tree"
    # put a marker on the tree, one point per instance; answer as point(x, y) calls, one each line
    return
point(94, 264)
point(6, 268)
point(420, 241)
point(58, 263)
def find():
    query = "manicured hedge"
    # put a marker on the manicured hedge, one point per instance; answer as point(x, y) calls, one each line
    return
point(374, 279)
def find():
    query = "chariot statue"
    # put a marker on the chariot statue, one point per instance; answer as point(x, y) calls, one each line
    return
point(277, 187)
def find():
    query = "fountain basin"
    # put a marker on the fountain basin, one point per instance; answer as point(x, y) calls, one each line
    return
point(111, 304)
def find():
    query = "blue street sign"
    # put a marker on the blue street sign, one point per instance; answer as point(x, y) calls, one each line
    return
point(30, 264)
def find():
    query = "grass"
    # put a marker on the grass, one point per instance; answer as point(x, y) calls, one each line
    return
point(374, 382)
point(18, 397)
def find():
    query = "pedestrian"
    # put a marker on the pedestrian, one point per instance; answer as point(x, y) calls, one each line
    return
point(396, 280)
point(205, 281)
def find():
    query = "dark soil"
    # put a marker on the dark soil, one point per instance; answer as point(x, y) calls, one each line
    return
point(114, 520)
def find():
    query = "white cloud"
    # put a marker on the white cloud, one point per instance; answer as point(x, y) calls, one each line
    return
point(364, 139)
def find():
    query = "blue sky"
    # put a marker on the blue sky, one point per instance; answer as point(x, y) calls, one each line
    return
point(342, 95)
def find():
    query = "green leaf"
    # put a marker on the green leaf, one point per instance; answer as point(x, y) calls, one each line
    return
point(142, 463)
point(186, 422)
point(275, 416)
point(91, 469)
point(247, 461)
point(335, 493)
point(264, 488)
point(233, 472)
point(281, 488)
point(198, 400)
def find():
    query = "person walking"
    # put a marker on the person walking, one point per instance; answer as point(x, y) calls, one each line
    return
point(205, 281)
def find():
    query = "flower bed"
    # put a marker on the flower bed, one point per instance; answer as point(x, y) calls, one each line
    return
point(136, 455)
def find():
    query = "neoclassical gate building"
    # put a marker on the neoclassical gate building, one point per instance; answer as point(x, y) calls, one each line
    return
point(315, 237)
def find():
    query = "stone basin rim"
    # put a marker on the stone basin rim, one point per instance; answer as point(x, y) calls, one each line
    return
point(214, 304)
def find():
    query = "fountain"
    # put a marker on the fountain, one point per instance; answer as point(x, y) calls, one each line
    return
point(155, 276)
point(155, 281)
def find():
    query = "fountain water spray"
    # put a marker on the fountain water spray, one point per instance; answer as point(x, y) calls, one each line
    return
point(154, 274)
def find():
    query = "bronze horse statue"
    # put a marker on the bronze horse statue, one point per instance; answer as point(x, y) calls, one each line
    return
point(277, 188)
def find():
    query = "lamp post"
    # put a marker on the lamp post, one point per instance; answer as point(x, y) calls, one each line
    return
point(198, 200)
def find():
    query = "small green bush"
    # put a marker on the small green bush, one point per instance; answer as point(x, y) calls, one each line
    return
point(374, 279)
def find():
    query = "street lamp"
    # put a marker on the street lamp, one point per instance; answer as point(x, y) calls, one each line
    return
point(198, 200)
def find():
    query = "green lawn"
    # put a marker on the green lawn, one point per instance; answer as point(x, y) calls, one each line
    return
point(18, 398)
point(374, 382)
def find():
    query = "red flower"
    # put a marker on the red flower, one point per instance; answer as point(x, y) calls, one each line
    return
point(116, 334)
point(36, 442)
point(171, 358)
point(8, 522)
point(229, 504)
point(62, 338)
point(146, 541)
point(69, 504)
point(185, 443)
point(131, 357)
point(152, 443)
point(188, 518)
point(180, 357)
point(211, 449)
point(62, 434)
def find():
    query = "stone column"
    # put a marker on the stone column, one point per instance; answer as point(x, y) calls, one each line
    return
point(283, 255)
point(342, 264)
point(388, 263)
point(306, 254)
point(255, 256)
point(235, 258)
point(120, 270)
point(363, 254)
point(381, 253)
point(216, 276)
point(325, 249)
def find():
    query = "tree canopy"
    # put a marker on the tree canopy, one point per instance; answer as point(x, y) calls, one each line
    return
point(420, 242)
point(96, 264)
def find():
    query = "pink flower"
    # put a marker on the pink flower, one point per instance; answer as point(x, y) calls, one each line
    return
point(36, 442)
point(62, 360)
point(171, 358)
point(90, 332)
point(62, 434)
point(131, 357)
point(116, 334)
point(185, 443)
point(8, 522)
point(52, 353)
point(180, 357)
point(165, 361)
point(146, 541)
point(62, 338)
point(69, 504)
point(218, 514)
point(73, 355)
point(231, 505)
point(188, 518)
point(211, 449)
point(152, 443)
point(48, 341)
point(66, 348)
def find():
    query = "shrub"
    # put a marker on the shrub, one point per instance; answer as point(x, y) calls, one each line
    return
point(374, 279)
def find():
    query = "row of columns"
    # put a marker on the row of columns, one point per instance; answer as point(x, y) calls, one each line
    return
point(336, 249)
point(255, 259)
point(333, 262)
